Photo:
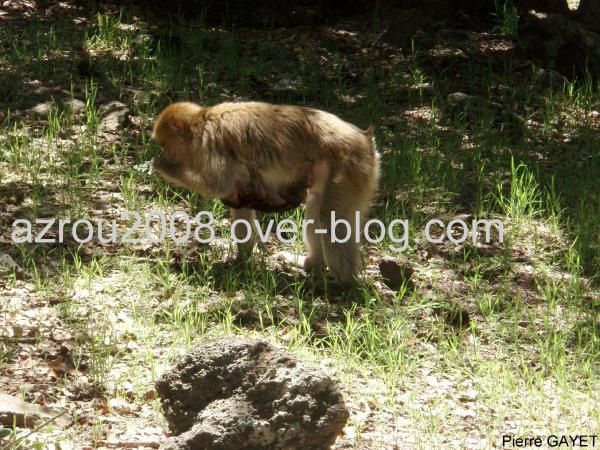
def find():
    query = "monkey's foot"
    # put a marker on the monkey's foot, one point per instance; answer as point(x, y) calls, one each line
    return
point(295, 259)
point(312, 264)
point(300, 261)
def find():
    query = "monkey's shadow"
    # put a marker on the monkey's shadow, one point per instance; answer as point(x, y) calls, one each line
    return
point(264, 273)
point(287, 294)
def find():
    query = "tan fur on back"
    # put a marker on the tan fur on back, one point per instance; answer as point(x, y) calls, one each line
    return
point(286, 136)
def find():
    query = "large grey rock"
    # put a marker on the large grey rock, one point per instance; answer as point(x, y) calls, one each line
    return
point(75, 105)
point(558, 43)
point(234, 393)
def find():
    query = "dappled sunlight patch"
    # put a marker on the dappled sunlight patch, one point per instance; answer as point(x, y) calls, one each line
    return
point(440, 51)
point(112, 37)
point(423, 114)
point(496, 46)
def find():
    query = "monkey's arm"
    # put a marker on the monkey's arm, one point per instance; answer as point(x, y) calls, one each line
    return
point(218, 173)
point(211, 180)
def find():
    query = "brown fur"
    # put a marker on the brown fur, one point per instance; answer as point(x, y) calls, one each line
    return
point(259, 156)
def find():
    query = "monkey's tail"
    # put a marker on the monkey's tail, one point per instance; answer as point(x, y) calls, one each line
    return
point(376, 169)
point(370, 133)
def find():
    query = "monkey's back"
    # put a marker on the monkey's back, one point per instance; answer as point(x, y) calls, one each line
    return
point(287, 135)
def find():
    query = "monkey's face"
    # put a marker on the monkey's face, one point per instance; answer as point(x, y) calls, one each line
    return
point(173, 130)
point(170, 164)
point(171, 171)
point(180, 174)
point(173, 133)
point(175, 137)
point(176, 170)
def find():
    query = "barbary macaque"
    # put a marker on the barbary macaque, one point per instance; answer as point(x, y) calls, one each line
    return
point(259, 156)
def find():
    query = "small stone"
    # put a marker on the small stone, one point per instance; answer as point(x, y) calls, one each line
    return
point(115, 116)
point(120, 406)
point(465, 413)
point(469, 395)
point(75, 105)
point(395, 274)
point(458, 317)
point(454, 316)
point(41, 110)
point(459, 97)
point(16, 412)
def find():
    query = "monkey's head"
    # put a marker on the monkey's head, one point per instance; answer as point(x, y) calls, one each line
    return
point(174, 132)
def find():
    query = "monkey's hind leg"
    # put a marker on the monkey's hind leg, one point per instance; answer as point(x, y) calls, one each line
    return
point(343, 258)
point(315, 259)
point(245, 227)
point(314, 244)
